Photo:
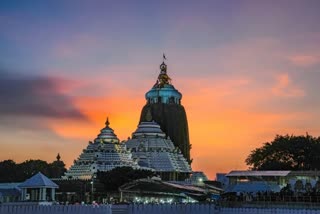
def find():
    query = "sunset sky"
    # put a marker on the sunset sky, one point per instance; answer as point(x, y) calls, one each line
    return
point(248, 70)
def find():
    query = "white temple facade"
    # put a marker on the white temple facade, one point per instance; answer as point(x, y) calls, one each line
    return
point(152, 149)
point(104, 154)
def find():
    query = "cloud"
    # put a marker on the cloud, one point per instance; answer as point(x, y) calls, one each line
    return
point(304, 60)
point(284, 88)
point(35, 96)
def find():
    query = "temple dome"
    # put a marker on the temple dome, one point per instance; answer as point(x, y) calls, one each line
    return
point(107, 135)
point(166, 94)
point(148, 129)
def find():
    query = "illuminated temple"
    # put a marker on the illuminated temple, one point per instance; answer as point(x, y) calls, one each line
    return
point(103, 154)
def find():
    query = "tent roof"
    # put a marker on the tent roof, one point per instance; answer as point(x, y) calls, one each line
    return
point(258, 173)
point(37, 181)
point(9, 185)
point(150, 185)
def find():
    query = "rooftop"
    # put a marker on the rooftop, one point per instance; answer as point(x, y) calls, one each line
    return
point(38, 180)
point(258, 173)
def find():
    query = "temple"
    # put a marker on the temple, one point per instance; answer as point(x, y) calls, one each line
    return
point(104, 154)
point(153, 149)
point(160, 143)
point(164, 106)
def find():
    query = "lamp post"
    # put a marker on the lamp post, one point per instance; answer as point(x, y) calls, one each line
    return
point(92, 187)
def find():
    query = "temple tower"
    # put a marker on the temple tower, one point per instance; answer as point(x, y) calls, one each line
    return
point(103, 154)
point(164, 106)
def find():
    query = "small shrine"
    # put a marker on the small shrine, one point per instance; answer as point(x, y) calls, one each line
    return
point(38, 188)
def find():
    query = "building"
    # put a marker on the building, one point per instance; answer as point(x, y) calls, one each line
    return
point(223, 179)
point(197, 178)
point(38, 188)
point(272, 181)
point(158, 191)
point(103, 154)
point(151, 148)
point(164, 106)
point(34, 190)
point(160, 143)
point(9, 192)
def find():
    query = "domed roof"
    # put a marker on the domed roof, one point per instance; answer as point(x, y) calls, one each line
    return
point(107, 134)
point(167, 90)
point(149, 136)
point(163, 91)
point(148, 129)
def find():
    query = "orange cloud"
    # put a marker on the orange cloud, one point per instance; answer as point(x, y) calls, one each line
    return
point(120, 111)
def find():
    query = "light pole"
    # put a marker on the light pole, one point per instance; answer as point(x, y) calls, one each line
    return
point(92, 187)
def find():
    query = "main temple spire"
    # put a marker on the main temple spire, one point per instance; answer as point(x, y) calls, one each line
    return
point(164, 106)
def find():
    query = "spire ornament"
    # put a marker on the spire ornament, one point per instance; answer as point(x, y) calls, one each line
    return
point(107, 122)
point(163, 77)
point(58, 157)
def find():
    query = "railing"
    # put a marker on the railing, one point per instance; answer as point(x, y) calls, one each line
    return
point(147, 209)
point(55, 209)
point(210, 209)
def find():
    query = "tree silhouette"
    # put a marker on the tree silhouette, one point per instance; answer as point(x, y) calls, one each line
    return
point(10, 171)
point(287, 153)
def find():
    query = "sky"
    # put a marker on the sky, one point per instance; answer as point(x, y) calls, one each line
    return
point(248, 70)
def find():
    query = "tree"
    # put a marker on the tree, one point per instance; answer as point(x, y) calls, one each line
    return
point(287, 153)
point(8, 171)
point(32, 167)
point(13, 172)
point(116, 177)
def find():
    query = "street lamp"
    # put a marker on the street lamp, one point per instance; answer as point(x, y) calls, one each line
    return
point(92, 187)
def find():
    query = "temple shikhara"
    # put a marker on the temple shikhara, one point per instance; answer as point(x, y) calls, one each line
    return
point(164, 107)
point(103, 154)
point(153, 149)
point(160, 143)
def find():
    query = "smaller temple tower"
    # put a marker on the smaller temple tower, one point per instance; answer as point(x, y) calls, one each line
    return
point(103, 154)
point(153, 149)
